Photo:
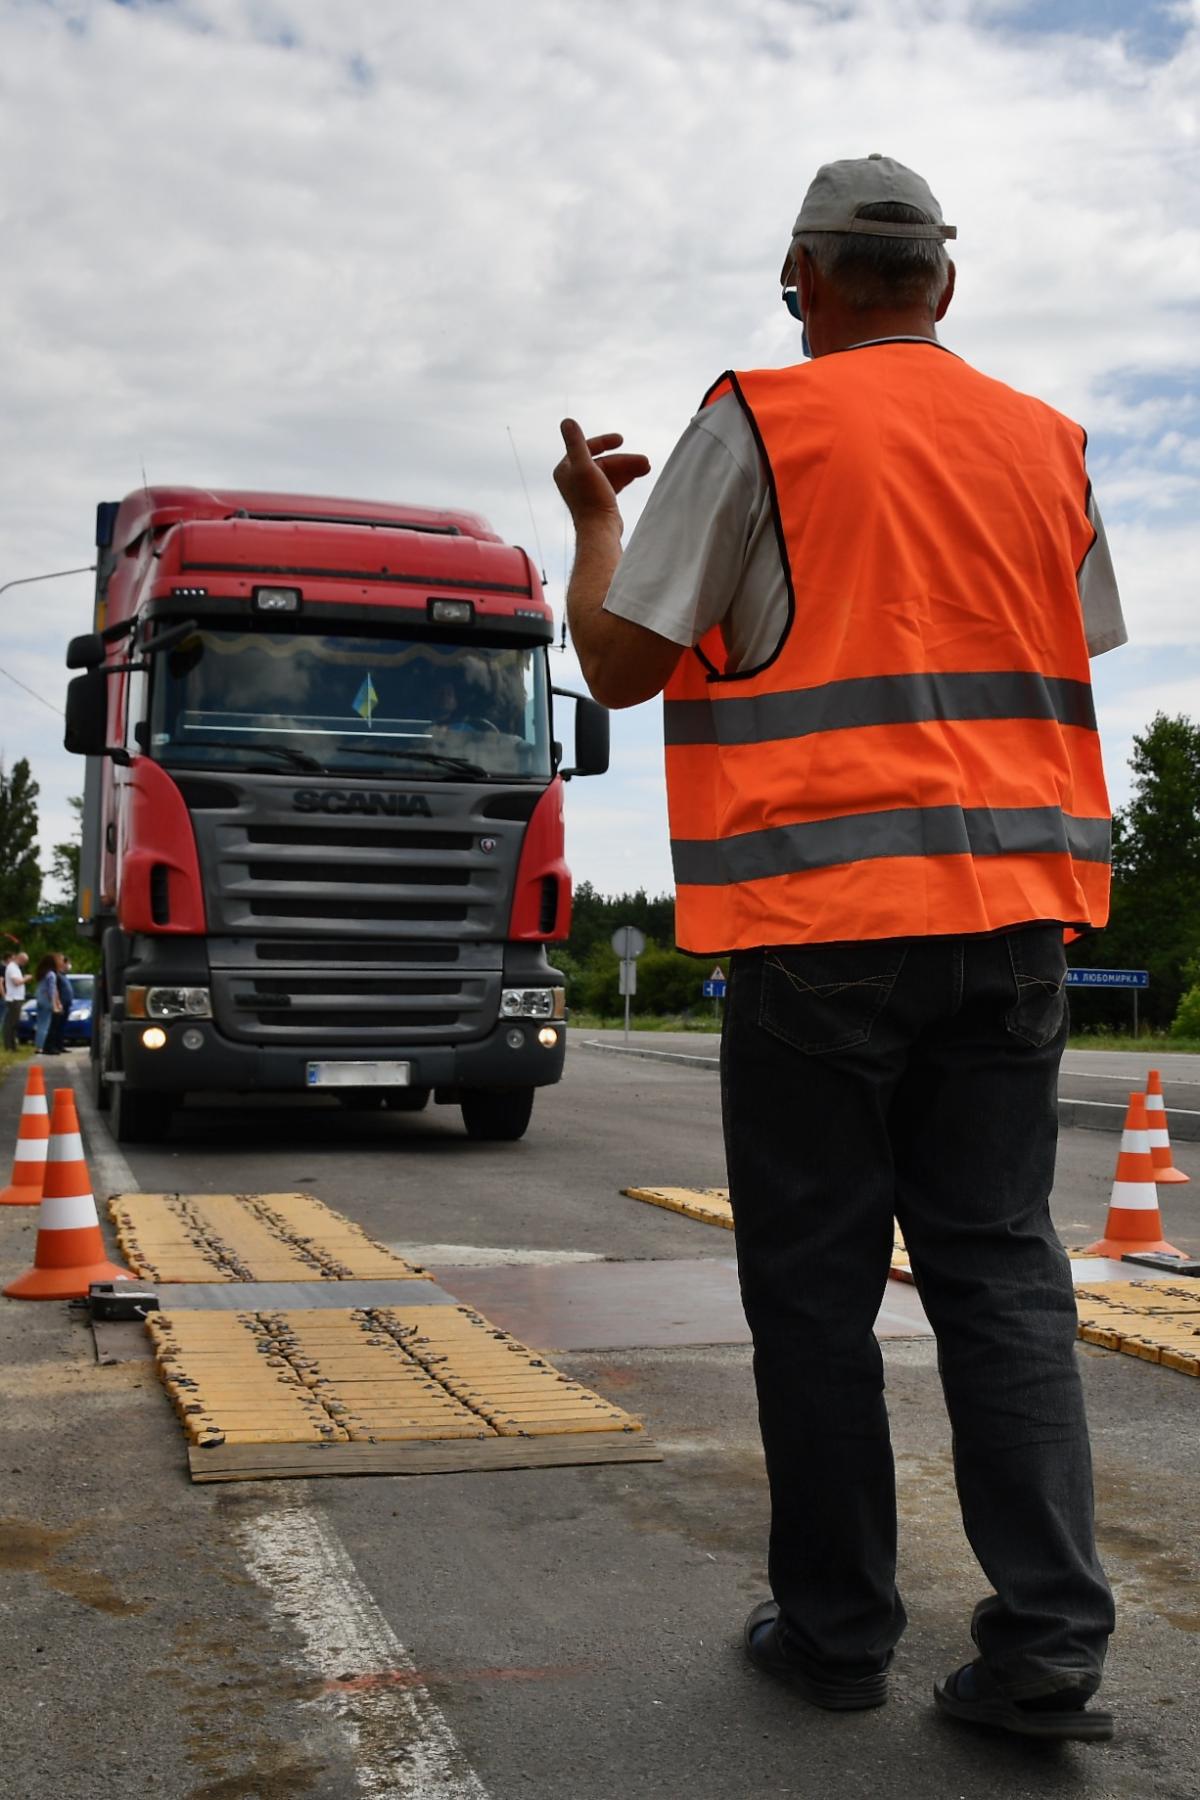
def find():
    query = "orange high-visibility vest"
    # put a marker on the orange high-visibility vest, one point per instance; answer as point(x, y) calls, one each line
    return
point(919, 755)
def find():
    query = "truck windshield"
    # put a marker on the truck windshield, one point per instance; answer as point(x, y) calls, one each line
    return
point(346, 703)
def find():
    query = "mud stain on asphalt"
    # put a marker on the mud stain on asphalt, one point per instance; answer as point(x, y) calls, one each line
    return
point(1160, 1582)
point(721, 1506)
point(55, 1380)
point(241, 1734)
point(276, 1780)
point(418, 1678)
point(33, 1549)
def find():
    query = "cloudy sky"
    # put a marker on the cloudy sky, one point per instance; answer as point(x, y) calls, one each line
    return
point(349, 246)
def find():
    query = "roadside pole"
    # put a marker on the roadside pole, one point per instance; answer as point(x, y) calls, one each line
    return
point(1112, 978)
point(628, 942)
point(714, 989)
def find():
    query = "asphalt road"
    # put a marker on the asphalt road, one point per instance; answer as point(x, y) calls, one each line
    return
point(552, 1633)
point(1104, 1075)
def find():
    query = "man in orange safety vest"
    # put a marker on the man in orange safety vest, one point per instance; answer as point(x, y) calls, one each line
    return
point(869, 587)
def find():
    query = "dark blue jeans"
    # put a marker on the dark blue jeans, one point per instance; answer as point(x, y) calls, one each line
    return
point(914, 1078)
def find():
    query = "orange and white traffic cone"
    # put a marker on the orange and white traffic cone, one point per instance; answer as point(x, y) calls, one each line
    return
point(70, 1251)
point(29, 1163)
point(1134, 1221)
point(1160, 1140)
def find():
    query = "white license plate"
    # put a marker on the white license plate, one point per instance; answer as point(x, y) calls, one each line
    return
point(358, 1074)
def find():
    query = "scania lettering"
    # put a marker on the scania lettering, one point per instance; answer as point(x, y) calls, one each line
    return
point(394, 806)
point(323, 808)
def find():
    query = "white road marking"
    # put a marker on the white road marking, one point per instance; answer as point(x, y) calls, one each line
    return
point(403, 1748)
point(1090, 1075)
point(401, 1745)
point(486, 1256)
point(111, 1174)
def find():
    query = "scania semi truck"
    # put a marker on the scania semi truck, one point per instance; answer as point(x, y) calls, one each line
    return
point(323, 808)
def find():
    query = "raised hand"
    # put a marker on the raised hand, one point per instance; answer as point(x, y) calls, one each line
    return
point(590, 475)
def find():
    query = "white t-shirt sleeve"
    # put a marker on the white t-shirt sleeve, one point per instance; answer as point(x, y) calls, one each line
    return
point(1103, 620)
point(684, 560)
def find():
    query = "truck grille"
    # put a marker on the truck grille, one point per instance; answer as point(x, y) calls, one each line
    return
point(376, 1008)
point(326, 876)
point(381, 931)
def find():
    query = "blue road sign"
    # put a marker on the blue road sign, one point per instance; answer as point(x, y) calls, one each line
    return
point(1108, 978)
point(713, 990)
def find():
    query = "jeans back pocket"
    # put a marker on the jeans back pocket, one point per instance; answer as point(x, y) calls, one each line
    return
point(824, 997)
point(1039, 970)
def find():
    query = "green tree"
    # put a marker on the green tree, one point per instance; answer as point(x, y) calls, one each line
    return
point(20, 876)
point(1155, 921)
point(668, 981)
point(64, 859)
point(594, 918)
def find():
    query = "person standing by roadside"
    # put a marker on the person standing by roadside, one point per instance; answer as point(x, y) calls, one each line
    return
point(15, 978)
point(49, 1001)
point(66, 999)
point(869, 585)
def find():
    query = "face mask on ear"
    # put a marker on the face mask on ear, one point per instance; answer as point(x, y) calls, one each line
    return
point(791, 299)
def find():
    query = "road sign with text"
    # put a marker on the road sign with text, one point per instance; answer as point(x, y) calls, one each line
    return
point(1108, 978)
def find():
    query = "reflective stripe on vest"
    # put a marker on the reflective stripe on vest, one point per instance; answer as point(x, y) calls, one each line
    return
point(919, 756)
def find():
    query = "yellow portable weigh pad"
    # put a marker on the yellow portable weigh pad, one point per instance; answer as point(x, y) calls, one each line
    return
point(398, 1376)
point(1157, 1321)
point(248, 1237)
point(710, 1206)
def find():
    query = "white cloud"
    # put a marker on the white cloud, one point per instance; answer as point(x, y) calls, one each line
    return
point(344, 248)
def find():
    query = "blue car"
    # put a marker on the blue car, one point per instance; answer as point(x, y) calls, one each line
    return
point(79, 1025)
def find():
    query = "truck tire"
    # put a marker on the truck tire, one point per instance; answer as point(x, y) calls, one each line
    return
point(409, 1099)
point(109, 981)
point(497, 1115)
point(139, 1118)
point(100, 1048)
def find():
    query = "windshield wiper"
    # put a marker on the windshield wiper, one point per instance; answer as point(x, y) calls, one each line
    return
point(458, 765)
point(296, 759)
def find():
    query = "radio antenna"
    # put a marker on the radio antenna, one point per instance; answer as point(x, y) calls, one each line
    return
point(529, 503)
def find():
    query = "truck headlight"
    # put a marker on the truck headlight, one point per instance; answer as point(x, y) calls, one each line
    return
point(178, 1003)
point(533, 1003)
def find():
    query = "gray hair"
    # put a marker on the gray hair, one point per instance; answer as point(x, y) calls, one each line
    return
point(870, 272)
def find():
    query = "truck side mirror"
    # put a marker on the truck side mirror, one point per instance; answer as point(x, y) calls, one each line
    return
point(591, 735)
point(86, 729)
point(86, 652)
point(591, 738)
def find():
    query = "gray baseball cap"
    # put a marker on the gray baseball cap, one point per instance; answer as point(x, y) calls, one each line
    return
point(840, 190)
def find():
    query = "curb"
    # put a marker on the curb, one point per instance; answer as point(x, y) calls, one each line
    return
point(671, 1056)
point(1079, 1115)
point(1100, 1115)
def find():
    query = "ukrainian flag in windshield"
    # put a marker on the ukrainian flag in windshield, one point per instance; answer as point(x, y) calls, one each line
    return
point(366, 700)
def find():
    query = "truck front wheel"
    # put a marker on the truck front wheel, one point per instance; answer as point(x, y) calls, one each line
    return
point(100, 1049)
point(498, 1115)
point(139, 1118)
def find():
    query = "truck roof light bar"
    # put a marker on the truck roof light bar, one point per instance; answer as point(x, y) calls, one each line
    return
point(315, 518)
point(451, 612)
point(276, 599)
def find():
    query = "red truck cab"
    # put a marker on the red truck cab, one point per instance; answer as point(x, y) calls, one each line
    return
point(323, 811)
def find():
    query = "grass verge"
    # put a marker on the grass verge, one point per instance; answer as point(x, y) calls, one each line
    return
point(14, 1059)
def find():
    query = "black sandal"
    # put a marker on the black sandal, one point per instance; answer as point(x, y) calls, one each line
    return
point(983, 1703)
point(766, 1652)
